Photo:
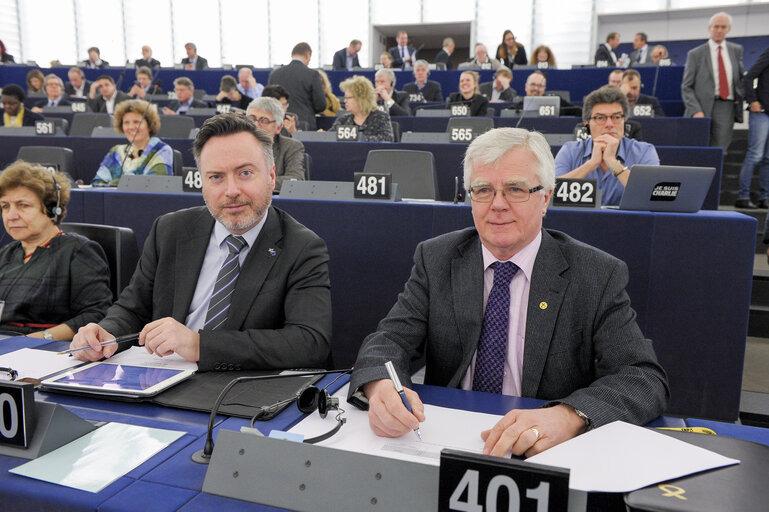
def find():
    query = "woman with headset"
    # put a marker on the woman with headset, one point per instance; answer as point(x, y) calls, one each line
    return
point(51, 283)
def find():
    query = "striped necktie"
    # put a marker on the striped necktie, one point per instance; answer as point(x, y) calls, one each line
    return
point(219, 304)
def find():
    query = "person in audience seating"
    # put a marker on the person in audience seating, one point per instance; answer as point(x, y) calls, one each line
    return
point(543, 57)
point(247, 84)
point(94, 60)
point(145, 154)
point(193, 61)
point(444, 54)
point(631, 87)
point(13, 111)
point(288, 153)
point(428, 90)
point(641, 52)
point(607, 155)
point(185, 98)
point(144, 85)
point(52, 283)
point(77, 86)
point(403, 54)
point(5, 57)
point(304, 85)
point(510, 52)
point(35, 81)
point(386, 60)
point(605, 54)
point(347, 58)
point(359, 101)
point(54, 89)
point(659, 53)
point(615, 78)
point(109, 96)
point(469, 94)
point(332, 102)
point(230, 95)
point(275, 312)
point(536, 85)
point(482, 59)
point(499, 89)
point(395, 103)
point(289, 118)
point(147, 60)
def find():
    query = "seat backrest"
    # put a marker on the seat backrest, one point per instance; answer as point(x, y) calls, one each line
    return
point(25, 131)
point(307, 166)
point(480, 125)
point(119, 245)
point(433, 112)
point(106, 132)
point(303, 135)
point(63, 158)
point(413, 171)
point(199, 93)
point(396, 131)
point(83, 123)
point(178, 163)
point(176, 127)
point(426, 137)
point(59, 122)
point(201, 111)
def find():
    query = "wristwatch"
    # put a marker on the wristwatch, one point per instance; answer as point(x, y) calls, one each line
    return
point(588, 424)
point(620, 169)
point(47, 335)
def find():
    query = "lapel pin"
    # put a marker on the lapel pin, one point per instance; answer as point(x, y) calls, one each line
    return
point(271, 251)
point(543, 305)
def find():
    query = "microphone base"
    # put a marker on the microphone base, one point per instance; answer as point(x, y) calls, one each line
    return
point(201, 457)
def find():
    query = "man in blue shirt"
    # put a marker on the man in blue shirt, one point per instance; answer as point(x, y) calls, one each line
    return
point(607, 155)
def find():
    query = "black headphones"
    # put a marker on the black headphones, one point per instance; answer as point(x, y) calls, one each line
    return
point(313, 398)
point(54, 211)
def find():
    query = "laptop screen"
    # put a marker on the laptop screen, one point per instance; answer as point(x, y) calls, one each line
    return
point(666, 188)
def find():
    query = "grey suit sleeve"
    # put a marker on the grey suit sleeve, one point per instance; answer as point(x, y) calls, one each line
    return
point(691, 102)
point(292, 166)
point(318, 96)
point(629, 383)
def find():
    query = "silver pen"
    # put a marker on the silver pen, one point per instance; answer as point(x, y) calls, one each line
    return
point(399, 389)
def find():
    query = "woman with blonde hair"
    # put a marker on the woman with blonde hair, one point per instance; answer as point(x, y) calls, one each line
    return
point(332, 102)
point(469, 94)
point(360, 103)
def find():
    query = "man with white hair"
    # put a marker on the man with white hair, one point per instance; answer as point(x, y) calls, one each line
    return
point(247, 84)
point(712, 83)
point(395, 103)
point(482, 59)
point(54, 89)
point(509, 307)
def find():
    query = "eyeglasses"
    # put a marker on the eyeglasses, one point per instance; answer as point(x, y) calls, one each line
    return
point(8, 373)
point(513, 193)
point(601, 118)
point(538, 86)
point(261, 120)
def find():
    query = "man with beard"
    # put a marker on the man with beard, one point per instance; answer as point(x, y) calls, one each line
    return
point(261, 299)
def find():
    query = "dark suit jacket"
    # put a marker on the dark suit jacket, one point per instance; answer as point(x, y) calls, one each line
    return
point(69, 90)
point(87, 64)
point(396, 55)
point(758, 70)
point(174, 104)
point(401, 107)
point(289, 160)
point(506, 95)
point(443, 56)
point(698, 85)
point(305, 89)
point(152, 63)
point(99, 105)
point(63, 102)
point(280, 315)
point(28, 119)
point(340, 60)
point(645, 99)
point(201, 63)
point(584, 348)
point(603, 53)
point(430, 92)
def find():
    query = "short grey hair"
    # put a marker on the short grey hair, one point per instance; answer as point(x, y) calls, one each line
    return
point(389, 73)
point(606, 94)
point(421, 63)
point(722, 13)
point(270, 105)
point(490, 147)
point(186, 82)
point(52, 76)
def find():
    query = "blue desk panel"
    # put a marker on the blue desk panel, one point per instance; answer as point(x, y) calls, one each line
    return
point(755, 434)
point(671, 258)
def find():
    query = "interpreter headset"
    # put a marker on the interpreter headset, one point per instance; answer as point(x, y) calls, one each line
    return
point(54, 211)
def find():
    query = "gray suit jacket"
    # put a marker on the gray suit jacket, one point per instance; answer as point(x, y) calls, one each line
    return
point(634, 57)
point(305, 89)
point(583, 346)
point(289, 160)
point(280, 316)
point(698, 85)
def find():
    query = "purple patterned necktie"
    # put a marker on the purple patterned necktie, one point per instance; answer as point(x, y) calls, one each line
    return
point(219, 304)
point(492, 348)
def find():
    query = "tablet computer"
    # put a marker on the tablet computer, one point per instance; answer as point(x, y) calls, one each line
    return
point(105, 378)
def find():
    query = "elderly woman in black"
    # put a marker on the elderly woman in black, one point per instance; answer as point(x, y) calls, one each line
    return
point(51, 283)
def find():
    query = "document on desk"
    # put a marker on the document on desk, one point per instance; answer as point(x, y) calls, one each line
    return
point(37, 364)
point(620, 457)
point(443, 428)
point(138, 356)
point(92, 462)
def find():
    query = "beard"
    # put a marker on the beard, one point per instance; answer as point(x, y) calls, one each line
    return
point(245, 220)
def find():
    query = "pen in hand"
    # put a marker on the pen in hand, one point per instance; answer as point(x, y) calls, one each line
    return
point(399, 388)
point(120, 339)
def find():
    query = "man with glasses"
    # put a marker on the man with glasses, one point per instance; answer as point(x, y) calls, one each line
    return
point(509, 307)
point(267, 113)
point(185, 98)
point(607, 154)
point(54, 90)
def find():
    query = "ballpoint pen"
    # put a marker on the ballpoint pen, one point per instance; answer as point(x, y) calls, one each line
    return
point(399, 389)
point(120, 339)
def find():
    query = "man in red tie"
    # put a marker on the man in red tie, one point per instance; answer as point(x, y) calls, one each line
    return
point(712, 84)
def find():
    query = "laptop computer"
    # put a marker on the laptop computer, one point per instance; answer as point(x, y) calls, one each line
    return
point(535, 104)
point(666, 188)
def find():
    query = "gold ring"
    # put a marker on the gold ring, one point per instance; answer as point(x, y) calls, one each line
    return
point(536, 433)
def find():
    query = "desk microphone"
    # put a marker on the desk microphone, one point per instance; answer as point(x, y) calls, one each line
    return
point(204, 456)
point(523, 114)
point(656, 75)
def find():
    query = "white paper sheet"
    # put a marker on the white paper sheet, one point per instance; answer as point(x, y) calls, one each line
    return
point(620, 457)
point(36, 364)
point(92, 462)
point(138, 356)
point(443, 428)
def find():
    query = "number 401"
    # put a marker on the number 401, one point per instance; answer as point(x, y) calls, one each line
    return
point(469, 482)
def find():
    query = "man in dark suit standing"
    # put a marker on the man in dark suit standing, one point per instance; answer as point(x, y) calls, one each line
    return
point(395, 103)
point(712, 83)
point(403, 54)
point(604, 55)
point(193, 60)
point(303, 85)
point(78, 86)
point(444, 54)
point(108, 96)
point(261, 299)
point(347, 58)
point(147, 60)
point(557, 324)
